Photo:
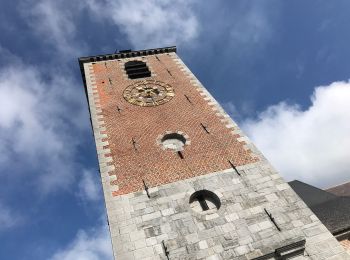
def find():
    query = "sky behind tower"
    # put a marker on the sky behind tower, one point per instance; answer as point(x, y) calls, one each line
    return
point(281, 69)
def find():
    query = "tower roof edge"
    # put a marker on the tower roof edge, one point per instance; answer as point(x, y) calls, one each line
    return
point(126, 54)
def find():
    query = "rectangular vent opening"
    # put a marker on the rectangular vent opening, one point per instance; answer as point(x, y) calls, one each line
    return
point(137, 69)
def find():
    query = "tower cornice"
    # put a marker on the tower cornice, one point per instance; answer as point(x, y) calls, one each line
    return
point(127, 54)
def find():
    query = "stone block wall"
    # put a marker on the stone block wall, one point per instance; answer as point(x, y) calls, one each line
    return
point(240, 229)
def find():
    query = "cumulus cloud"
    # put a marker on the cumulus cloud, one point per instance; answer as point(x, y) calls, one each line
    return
point(88, 245)
point(55, 22)
point(37, 125)
point(149, 24)
point(311, 145)
point(89, 186)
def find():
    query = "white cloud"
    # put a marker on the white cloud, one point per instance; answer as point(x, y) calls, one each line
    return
point(55, 22)
point(252, 26)
point(89, 186)
point(88, 245)
point(8, 218)
point(22, 102)
point(37, 125)
point(152, 23)
point(149, 24)
point(146, 24)
point(311, 145)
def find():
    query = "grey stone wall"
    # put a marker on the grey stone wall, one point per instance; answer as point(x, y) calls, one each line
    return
point(240, 229)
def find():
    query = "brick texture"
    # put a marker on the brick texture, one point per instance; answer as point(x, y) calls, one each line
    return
point(346, 244)
point(207, 152)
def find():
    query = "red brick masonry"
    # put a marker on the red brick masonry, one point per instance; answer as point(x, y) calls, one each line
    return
point(207, 152)
point(346, 244)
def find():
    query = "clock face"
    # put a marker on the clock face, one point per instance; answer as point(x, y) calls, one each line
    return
point(148, 93)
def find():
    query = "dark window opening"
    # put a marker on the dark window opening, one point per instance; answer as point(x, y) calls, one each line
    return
point(203, 202)
point(137, 69)
point(206, 199)
point(175, 136)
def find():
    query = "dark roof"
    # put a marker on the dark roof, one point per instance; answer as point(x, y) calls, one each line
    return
point(340, 190)
point(334, 214)
point(332, 210)
point(310, 194)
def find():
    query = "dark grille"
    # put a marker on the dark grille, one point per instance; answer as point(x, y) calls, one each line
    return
point(137, 69)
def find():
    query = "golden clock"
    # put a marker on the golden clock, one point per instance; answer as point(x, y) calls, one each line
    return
point(148, 93)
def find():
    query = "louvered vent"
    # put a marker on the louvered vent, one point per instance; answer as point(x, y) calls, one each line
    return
point(137, 69)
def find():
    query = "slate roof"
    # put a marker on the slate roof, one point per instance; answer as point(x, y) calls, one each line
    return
point(334, 214)
point(310, 194)
point(332, 210)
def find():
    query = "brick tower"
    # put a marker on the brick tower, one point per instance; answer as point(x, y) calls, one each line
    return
point(180, 180)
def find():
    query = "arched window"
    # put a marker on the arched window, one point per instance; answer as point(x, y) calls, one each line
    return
point(173, 141)
point(137, 69)
point(204, 200)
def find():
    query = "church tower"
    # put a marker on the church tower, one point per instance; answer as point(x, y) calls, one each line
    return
point(180, 179)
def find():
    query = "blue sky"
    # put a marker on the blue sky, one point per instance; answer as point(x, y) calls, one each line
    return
point(280, 68)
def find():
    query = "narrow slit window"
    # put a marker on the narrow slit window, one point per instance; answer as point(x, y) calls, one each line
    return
point(188, 99)
point(146, 188)
point(234, 167)
point(205, 128)
point(134, 144)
